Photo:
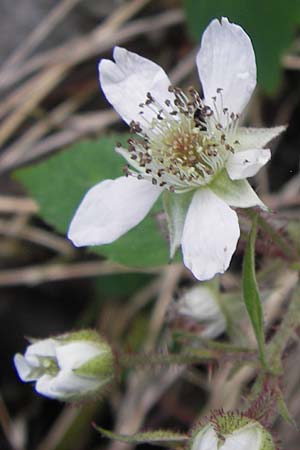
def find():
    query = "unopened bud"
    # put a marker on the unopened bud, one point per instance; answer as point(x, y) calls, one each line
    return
point(228, 431)
point(70, 367)
point(200, 303)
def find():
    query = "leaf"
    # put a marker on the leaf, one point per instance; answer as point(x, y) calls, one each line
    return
point(59, 183)
point(251, 292)
point(270, 25)
point(159, 437)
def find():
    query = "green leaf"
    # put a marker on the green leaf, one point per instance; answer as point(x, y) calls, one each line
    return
point(160, 437)
point(59, 183)
point(251, 292)
point(270, 25)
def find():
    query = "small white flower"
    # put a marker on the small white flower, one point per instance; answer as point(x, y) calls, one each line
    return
point(200, 304)
point(70, 367)
point(251, 436)
point(191, 149)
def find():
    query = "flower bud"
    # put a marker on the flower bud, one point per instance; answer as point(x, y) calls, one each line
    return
point(70, 367)
point(200, 303)
point(230, 431)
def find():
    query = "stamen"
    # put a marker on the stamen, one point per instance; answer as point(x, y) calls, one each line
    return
point(181, 143)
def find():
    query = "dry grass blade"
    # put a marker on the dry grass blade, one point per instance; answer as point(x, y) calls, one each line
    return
point(50, 77)
point(169, 284)
point(78, 49)
point(44, 84)
point(36, 236)
point(18, 150)
point(58, 271)
point(75, 129)
point(39, 34)
point(10, 204)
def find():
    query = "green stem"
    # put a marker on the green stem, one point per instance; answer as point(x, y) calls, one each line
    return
point(276, 237)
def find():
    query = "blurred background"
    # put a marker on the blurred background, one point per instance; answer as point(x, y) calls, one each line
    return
point(50, 101)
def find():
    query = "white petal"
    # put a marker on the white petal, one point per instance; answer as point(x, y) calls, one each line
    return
point(237, 193)
point(43, 386)
point(126, 82)
point(65, 385)
point(247, 438)
point(206, 439)
point(210, 235)
point(247, 163)
point(110, 209)
point(226, 60)
point(24, 368)
point(44, 348)
point(257, 137)
point(199, 303)
point(72, 355)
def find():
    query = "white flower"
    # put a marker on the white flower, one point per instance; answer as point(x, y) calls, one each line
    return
point(70, 367)
point(187, 147)
point(200, 303)
point(251, 436)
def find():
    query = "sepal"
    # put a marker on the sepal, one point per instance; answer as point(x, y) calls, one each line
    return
point(164, 438)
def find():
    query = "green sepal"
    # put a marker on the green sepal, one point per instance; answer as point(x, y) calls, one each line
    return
point(236, 193)
point(159, 437)
point(87, 335)
point(101, 366)
point(176, 206)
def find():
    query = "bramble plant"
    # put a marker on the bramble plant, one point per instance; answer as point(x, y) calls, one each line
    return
point(190, 148)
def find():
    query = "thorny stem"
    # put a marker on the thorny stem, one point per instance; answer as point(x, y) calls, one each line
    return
point(134, 360)
point(275, 235)
point(196, 356)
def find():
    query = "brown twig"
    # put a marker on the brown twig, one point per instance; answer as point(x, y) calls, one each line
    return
point(36, 236)
point(58, 271)
point(10, 204)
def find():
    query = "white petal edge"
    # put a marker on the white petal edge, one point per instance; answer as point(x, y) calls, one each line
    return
point(247, 163)
point(24, 368)
point(226, 60)
point(247, 438)
point(257, 137)
point(43, 386)
point(110, 209)
point(210, 235)
point(72, 355)
point(126, 82)
point(206, 439)
point(65, 385)
point(45, 348)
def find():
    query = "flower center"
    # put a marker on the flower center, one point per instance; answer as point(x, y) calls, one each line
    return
point(185, 145)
